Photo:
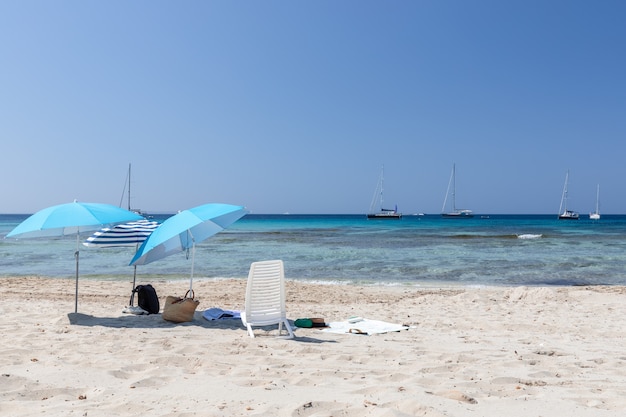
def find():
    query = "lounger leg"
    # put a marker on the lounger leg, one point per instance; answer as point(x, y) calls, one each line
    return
point(288, 328)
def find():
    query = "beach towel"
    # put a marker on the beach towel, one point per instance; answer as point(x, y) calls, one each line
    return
point(359, 325)
point(216, 313)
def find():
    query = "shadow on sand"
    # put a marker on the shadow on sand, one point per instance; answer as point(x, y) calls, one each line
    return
point(150, 321)
point(155, 321)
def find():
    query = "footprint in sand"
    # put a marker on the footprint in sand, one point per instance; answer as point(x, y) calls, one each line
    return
point(455, 395)
point(128, 371)
point(318, 408)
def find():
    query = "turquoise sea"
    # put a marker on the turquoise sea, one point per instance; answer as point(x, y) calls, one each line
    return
point(417, 250)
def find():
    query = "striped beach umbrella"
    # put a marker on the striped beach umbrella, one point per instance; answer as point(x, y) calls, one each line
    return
point(125, 234)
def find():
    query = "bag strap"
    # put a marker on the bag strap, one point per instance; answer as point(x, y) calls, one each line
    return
point(132, 295)
point(189, 292)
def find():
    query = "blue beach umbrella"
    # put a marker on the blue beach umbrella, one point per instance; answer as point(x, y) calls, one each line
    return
point(69, 219)
point(182, 231)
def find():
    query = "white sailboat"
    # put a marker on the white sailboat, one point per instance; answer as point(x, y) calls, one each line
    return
point(456, 212)
point(383, 213)
point(596, 214)
point(564, 213)
point(127, 182)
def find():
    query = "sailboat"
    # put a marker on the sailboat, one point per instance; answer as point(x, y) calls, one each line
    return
point(134, 210)
point(596, 215)
point(384, 213)
point(564, 213)
point(455, 213)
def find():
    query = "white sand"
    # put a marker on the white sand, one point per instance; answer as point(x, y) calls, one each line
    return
point(469, 352)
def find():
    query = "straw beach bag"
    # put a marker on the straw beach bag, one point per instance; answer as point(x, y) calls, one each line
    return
point(180, 310)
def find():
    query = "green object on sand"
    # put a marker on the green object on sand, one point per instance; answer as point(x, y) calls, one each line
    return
point(312, 322)
point(303, 323)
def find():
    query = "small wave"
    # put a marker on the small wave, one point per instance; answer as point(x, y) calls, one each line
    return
point(529, 236)
point(483, 236)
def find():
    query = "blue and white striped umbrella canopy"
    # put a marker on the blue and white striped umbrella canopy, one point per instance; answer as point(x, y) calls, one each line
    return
point(125, 234)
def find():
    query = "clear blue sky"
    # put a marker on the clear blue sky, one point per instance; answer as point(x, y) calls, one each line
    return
point(294, 106)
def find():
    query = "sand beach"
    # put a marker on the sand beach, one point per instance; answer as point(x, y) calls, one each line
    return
point(481, 351)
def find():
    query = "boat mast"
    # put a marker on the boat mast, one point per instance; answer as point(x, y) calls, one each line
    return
point(454, 187)
point(129, 187)
point(451, 183)
point(564, 195)
point(377, 197)
point(126, 182)
point(382, 184)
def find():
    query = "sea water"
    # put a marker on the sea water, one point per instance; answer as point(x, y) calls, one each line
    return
point(417, 250)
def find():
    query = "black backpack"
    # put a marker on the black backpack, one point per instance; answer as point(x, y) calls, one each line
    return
point(147, 298)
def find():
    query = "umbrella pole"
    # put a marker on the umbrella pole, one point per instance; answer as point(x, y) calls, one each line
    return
point(76, 254)
point(134, 275)
point(132, 301)
point(193, 256)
